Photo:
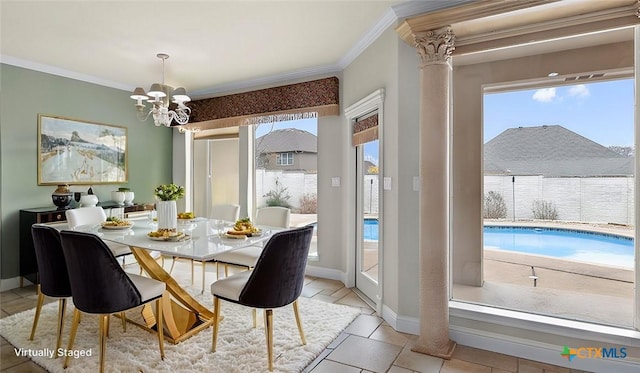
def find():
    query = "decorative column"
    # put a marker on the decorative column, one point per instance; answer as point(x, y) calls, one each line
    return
point(435, 48)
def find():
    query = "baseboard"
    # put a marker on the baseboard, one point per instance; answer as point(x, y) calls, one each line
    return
point(524, 348)
point(404, 324)
point(532, 350)
point(328, 273)
point(12, 283)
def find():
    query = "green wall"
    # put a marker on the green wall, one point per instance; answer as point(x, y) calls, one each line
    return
point(26, 93)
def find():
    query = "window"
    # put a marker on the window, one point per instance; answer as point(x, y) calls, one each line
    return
point(284, 159)
point(552, 171)
point(295, 188)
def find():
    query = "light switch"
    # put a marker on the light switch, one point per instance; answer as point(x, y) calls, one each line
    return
point(335, 181)
point(387, 183)
point(416, 183)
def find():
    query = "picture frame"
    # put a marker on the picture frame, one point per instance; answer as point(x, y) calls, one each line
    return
point(77, 152)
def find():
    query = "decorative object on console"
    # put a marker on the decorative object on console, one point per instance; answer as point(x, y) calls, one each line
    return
point(62, 196)
point(128, 198)
point(166, 206)
point(118, 197)
point(160, 97)
point(88, 200)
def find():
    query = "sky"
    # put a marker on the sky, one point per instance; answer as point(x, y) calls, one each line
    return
point(602, 112)
point(309, 125)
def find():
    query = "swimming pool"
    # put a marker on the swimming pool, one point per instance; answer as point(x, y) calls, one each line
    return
point(370, 230)
point(570, 244)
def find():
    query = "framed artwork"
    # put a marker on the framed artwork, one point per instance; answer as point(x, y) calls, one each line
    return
point(72, 151)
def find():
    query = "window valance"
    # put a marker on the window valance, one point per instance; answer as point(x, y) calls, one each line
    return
point(365, 129)
point(294, 101)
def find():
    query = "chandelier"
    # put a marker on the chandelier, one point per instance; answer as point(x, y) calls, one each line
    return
point(160, 96)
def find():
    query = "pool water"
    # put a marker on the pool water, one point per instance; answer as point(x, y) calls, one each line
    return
point(370, 231)
point(563, 243)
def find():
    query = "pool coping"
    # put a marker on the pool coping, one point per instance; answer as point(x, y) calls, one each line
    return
point(602, 228)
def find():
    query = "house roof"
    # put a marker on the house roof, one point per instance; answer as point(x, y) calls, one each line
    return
point(551, 151)
point(287, 140)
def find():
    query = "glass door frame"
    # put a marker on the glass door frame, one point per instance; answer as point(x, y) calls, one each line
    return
point(366, 105)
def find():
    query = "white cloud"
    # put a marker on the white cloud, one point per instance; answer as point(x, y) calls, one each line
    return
point(579, 90)
point(545, 95)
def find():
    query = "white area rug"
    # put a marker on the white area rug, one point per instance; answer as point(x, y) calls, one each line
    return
point(241, 348)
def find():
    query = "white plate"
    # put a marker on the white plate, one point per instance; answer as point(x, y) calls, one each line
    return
point(117, 227)
point(235, 236)
point(182, 237)
point(186, 221)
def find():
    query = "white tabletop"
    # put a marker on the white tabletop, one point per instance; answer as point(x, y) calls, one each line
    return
point(204, 243)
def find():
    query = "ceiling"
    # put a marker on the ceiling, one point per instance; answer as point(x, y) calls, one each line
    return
point(214, 46)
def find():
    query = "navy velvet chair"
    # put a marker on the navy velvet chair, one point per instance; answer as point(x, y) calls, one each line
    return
point(272, 216)
point(52, 275)
point(100, 286)
point(276, 281)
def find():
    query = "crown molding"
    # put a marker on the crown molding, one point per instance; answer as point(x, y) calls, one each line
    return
point(390, 18)
point(457, 14)
point(412, 8)
point(604, 19)
point(264, 81)
point(53, 70)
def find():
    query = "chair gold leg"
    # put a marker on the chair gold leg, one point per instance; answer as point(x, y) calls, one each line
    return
point(107, 326)
point(72, 335)
point(204, 270)
point(268, 328)
point(254, 313)
point(62, 306)
point(37, 315)
point(299, 321)
point(226, 270)
point(160, 325)
point(124, 321)
point(216, 322)
point(104, 329)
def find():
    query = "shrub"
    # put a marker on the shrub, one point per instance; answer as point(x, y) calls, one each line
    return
point(309, 203)
point(545, 210)
point(494, 206)
point(278, 196)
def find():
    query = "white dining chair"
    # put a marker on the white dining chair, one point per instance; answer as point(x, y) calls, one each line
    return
point(227, 212)
point(89, 219)
point(273, 216)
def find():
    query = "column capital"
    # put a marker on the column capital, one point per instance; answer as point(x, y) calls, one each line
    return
point(638, 8)
point(435, 46)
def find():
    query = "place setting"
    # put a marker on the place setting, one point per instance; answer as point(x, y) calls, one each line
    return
point(114, 223)
point(241, 230)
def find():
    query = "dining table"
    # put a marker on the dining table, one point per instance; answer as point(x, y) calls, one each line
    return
point(200, 239)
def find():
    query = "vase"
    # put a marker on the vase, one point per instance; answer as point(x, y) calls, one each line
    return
point(62, 197)
point(128, 198)
point(167, 216)
point(118, 197)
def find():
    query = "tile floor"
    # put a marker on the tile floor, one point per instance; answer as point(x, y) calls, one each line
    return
point(368, 345)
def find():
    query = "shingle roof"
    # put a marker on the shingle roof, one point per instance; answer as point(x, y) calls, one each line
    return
point(287, 140)
point(552, 151)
